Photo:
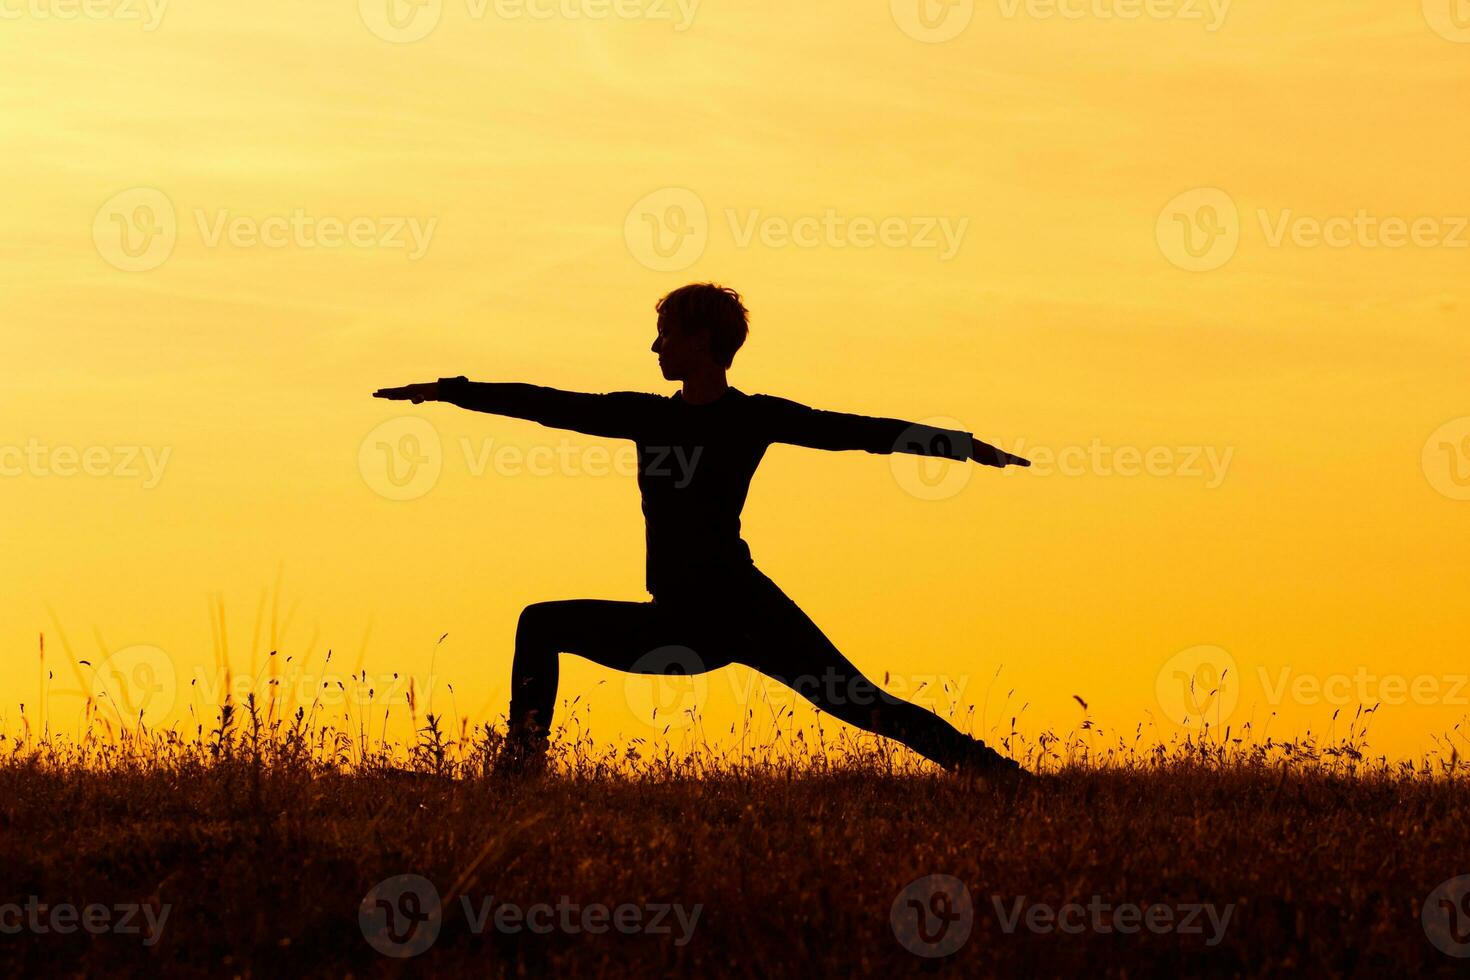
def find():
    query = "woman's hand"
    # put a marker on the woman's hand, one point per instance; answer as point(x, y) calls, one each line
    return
point(425, 392)
point(987, 455)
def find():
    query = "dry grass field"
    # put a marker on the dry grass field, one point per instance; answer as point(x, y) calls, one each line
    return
point(266, 848)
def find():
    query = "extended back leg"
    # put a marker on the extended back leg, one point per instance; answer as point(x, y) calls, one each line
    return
point(792, 649)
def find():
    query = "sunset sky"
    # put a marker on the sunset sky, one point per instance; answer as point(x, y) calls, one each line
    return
point(1208, 264)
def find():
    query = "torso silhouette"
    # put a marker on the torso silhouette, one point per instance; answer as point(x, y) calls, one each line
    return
point(695, 462)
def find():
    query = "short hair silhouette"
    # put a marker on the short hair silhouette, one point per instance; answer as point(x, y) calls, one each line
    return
point(705, 305)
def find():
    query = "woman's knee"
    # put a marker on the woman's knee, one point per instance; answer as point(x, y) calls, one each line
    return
point(537, 620)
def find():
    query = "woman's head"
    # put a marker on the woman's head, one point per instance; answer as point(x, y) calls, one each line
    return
point(700, 327)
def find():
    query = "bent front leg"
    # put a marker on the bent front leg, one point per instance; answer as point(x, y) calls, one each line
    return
point(625, 636)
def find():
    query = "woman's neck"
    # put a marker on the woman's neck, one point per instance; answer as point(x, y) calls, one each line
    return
point(703, 390)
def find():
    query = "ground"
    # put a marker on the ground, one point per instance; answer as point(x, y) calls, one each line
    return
point(277, 866)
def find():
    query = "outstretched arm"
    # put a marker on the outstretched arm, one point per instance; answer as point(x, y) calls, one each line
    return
point(618, 415)
point(791, 422)
point(987, 455)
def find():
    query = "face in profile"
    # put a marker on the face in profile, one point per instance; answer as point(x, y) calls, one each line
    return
point(680, 352)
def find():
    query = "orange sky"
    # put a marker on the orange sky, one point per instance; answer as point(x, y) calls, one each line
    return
point(1209, 260)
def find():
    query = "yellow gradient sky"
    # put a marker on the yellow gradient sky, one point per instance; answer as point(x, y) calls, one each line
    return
point(535, 155)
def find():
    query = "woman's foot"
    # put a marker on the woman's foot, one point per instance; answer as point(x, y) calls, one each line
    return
point(524, 754)
point(981, 760)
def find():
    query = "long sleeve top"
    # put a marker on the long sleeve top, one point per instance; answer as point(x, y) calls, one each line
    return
point(695, 462)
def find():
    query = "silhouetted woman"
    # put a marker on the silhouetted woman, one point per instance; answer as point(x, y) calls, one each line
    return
point(697, 451)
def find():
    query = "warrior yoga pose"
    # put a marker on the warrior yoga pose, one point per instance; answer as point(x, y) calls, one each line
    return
point(697, 451)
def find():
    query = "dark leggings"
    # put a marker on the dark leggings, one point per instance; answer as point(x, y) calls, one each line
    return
point(753, 623)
